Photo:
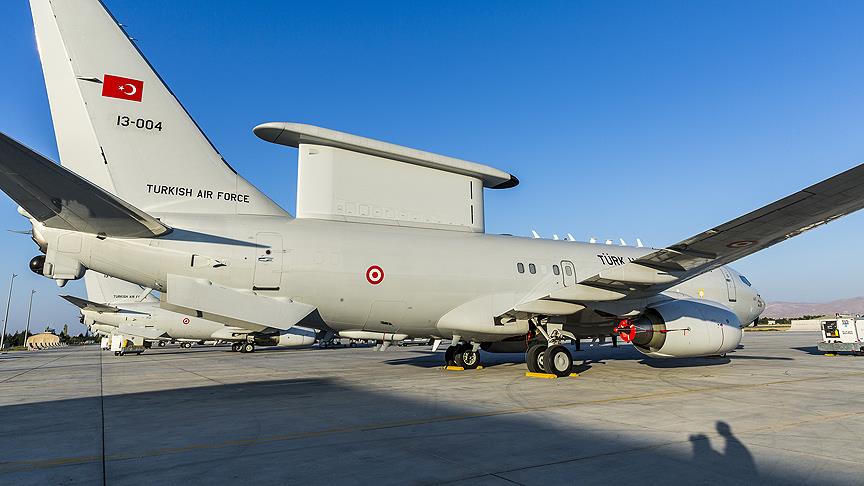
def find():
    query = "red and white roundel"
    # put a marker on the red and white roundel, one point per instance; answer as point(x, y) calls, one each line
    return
point(185, 320)
point(374, 275)
point(741, 244)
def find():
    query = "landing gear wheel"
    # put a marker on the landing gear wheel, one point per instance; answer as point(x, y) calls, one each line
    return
point(116, 353)
point(450, 354)
point(248, 348)
point(557, 361)
point(534, 358)
point(467, 358)
point(235, 347)
point(161, 344)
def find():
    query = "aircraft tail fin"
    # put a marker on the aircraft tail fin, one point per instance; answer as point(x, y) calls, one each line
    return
point(119, 126)
point(109, 290)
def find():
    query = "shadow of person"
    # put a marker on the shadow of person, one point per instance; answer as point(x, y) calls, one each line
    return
point(734, 451)
point(703, 453)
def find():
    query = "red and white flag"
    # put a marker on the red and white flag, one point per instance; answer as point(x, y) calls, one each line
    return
point(122, 88)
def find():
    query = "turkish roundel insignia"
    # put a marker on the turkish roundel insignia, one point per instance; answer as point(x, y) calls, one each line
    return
point(122, 88)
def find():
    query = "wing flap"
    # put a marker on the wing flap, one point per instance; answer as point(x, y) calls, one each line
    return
point(61, 199)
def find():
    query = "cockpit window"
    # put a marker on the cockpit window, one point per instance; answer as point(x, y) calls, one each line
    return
point(744, 279)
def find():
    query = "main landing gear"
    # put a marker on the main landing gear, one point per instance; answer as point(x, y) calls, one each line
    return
point(552, 358)
point(463, 355)
point(246, 347)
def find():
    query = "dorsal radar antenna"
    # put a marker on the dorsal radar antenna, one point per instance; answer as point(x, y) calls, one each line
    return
point(535, 235)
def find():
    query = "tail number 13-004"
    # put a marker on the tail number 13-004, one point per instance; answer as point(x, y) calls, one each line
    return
point(139, 123)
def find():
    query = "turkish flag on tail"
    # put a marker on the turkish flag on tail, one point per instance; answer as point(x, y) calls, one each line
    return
point(123, 88)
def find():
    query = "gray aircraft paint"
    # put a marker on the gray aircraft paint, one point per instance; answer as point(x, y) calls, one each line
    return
point(401, 262)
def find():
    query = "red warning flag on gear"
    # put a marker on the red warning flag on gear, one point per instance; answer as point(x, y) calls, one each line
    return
point(123, 88)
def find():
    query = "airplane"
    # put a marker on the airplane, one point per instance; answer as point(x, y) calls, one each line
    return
point(387, 240)
point(114, 306)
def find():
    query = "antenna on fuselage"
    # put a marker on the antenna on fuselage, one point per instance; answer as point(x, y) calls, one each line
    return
point(535, 235)
point(570, 237)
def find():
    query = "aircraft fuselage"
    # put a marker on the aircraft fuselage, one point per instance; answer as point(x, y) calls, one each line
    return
point(384, 278)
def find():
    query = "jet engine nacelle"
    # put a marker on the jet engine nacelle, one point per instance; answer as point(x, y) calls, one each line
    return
point(293, 337)
point(686, 329)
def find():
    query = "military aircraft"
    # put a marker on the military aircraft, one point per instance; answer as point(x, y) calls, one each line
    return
point(114, 306)
point(387, 240)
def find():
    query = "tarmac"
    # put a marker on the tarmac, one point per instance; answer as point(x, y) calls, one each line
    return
point(773, 412)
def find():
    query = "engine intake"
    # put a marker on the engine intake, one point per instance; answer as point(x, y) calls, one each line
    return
point(687, 329)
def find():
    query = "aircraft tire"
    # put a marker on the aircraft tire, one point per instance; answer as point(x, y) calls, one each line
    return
point(467, 358)
point(235, 347)
point(116, 353)
point(449, 355)
point(557, 361)
point(534, 358)
point(247, 348)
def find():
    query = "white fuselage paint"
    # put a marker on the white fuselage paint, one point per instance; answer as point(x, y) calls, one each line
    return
point(427, 273)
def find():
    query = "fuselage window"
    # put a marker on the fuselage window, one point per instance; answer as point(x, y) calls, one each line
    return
point(520, 267)
point(532, 268)
point(568, 271)
point(744, 279)
point(556, 270)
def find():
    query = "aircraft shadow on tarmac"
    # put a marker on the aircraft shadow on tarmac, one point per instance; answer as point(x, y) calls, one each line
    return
point(582, 360)
point(326, 431)
point(809, 350)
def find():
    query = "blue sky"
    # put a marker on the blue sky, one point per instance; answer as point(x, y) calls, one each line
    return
point(655, 120)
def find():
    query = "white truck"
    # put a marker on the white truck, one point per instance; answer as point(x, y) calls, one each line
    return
point(843, 333)
point(122, 345)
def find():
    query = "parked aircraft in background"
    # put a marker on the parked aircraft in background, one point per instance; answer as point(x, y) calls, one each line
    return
point(388, 240)
point(114, 306)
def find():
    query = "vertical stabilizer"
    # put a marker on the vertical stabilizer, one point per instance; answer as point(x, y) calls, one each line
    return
point(118, 125)
point(103, 289)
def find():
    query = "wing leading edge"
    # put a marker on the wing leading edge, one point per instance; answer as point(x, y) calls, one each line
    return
point(802, 211)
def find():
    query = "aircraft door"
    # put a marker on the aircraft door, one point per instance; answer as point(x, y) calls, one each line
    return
point(568, 273)
point(268, 262)
point(730, 284)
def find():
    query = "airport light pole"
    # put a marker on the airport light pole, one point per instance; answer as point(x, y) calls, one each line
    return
point(29, 310)
point(6, 319)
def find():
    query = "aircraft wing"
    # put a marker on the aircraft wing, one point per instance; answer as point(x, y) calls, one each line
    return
point(806, 209)
point(84, 304)
point(61, 199)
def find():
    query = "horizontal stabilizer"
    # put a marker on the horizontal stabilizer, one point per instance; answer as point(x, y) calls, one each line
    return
point(146, 332)
point(220, 303)
point(61, 199)
point(87, 305)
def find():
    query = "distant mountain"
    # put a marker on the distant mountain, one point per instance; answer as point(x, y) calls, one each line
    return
point(854, 305)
